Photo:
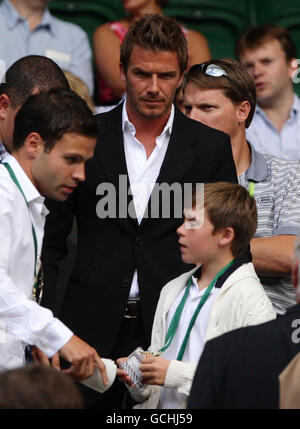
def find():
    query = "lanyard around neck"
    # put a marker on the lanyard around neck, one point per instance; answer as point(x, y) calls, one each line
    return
point(15, 180)
point(251, 188)
point(176, 318)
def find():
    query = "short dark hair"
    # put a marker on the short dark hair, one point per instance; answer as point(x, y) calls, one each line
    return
point(52, 114)
point(230, 205)
point(30, 73)
point(256, 36)
point(155, 33)
point(238, 87)
point(37, 386)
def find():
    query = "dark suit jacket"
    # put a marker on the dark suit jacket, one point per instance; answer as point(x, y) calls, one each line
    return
point(109, 250)
point(240, 369)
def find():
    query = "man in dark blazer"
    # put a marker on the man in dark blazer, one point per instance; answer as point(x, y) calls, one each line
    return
point(124, 259)
point(240, 369)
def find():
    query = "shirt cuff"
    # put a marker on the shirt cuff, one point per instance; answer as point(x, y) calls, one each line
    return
point(180, 374)
point(288, 230)
point(55, 336)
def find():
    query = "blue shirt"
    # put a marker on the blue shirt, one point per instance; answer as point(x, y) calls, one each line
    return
point(65, 43)
point(268, 140)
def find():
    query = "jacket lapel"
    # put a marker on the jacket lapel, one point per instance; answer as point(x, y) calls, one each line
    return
point(180, 154)
point(110, 155)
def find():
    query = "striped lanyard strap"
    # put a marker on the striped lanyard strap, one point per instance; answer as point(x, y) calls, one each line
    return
point(176, 318)
point(251, 188)
point(15, 180)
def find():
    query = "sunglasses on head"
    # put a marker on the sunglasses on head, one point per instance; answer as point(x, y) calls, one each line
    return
point(210, 69)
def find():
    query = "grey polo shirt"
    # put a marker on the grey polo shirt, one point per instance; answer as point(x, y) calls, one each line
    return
point(277, 195)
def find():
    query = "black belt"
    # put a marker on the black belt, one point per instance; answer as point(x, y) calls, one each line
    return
point(132, 310)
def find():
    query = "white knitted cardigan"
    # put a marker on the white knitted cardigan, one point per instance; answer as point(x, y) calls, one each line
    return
point(242, 301)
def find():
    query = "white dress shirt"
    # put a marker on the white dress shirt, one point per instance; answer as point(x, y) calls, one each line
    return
point(143, 172)
point(22, 320)
point(170, 398)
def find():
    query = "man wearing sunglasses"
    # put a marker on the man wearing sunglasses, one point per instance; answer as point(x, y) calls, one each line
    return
point(221, 94)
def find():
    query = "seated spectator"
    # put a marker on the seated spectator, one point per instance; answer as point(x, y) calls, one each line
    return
point(289, 381)
point(220, 294)
point(221, 94)
point(25, 77)
point(27, 27)
point(269, 55)
point(38, 387)
point(240, 369)
point(108, 37)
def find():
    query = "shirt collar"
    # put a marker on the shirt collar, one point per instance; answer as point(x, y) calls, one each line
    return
point(29, 190)
point(295, 107)
point(127, 125)
point(293, 112)
point(258, 170)
point(12, 17)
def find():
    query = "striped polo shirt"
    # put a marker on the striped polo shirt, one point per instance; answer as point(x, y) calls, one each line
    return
point(277, 195)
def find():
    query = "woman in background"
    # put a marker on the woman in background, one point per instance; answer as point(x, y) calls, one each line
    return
point(107, 39)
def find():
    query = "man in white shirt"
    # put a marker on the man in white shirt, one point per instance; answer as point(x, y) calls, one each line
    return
point(55, 133)
point(25, 77)
point(269, 55)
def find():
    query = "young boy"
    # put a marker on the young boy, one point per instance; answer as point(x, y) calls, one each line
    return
point(219, 295)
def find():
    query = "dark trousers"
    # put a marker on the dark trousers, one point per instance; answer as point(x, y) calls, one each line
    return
point(131, 335)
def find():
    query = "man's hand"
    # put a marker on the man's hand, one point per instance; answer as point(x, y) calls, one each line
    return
point(154, 370)
point(83, 359)
point(41, 357)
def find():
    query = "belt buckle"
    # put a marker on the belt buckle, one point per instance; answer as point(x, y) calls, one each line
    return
point(131, 316)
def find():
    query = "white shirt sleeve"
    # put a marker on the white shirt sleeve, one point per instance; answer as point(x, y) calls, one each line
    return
point(19, 314)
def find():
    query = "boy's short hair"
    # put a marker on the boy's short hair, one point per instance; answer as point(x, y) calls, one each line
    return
point(230, 205)
point(52, 114)
point(254, 37)
point(238, 86)
point(155, 33)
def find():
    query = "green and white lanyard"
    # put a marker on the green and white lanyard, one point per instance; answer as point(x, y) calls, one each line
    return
point(251, 188)
point(35, 285)
point(176, 318)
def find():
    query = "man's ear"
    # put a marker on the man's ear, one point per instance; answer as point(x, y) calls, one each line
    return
point(123, 74)
point(34, 144)
point(4, 104)
point(243, 112)
point(180, 81)
point(227, 236)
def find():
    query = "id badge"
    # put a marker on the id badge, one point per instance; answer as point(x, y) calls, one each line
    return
point(131, 366)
